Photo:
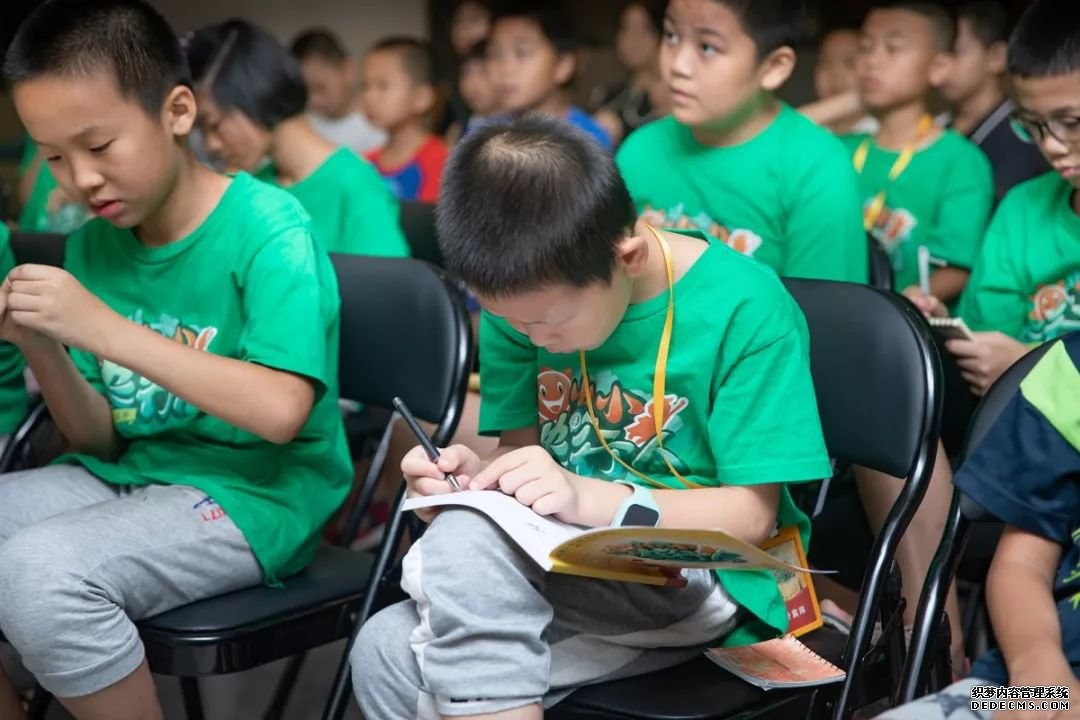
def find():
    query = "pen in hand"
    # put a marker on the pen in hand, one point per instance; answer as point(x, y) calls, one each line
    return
point(425, 441)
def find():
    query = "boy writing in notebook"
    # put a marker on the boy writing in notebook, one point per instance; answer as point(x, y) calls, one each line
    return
point(975, 87)
point(1025, 288)
point(735, 162)
point(921, 186)
point(574, 343)
point(1025, 472)
point(199, 397)
point(398, 96)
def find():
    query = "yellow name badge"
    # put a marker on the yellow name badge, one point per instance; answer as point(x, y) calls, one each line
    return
point(797, 588)
point(123, 416)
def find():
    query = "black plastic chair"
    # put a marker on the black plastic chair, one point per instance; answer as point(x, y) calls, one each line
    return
point(877, 379)
point(927, 665)
point(418, 225)
point(881, 270)
point(404, 332)
point(32, 248)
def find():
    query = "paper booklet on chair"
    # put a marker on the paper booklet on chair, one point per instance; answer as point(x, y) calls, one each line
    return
point(653, 556)
point(776, 664)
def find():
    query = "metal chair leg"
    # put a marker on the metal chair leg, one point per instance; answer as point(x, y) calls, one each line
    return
point(285, 686)
point(39, 705)
point(193, 705)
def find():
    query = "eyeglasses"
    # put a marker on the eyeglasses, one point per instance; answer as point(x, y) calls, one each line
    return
point(1065, 129)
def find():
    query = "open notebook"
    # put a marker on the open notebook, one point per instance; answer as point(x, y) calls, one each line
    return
point(780, 663)
point(654, 556)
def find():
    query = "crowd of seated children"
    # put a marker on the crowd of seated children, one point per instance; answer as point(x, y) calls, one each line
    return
point(836, 83)
point(332, 78)
point(477, 93)
point(734, 161)
point(251, 99)
point(398, 97)
point(194, 428)
point(470, 25)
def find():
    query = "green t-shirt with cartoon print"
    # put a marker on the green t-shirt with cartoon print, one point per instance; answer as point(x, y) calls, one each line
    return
point(352, 210)
point(787, 197)
point(740, 404)
point(942, 200)
point(249, 283)
point(1026, 282)
point(13, 399)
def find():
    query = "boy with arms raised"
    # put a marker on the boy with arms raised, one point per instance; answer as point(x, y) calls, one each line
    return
point(735, 162)
point(200, 393)
point(1025, 288)
point(573, 342)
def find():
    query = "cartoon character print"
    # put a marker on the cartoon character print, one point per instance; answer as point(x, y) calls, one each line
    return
point(138, 401)
point(626, 418)
point(743, 241)
point(1055, 310)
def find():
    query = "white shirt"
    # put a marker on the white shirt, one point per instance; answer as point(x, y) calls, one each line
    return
point(352, 131)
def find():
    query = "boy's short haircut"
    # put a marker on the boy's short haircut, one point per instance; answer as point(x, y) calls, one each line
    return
point(244, 68)
point(415, 56)
point(530, 205)
point(549, 15)
point(318, 43)
point(989, 20)
point(771, 24)
point(1046, 41)
point(654, 9)
point(75, 38)
point(941, 18)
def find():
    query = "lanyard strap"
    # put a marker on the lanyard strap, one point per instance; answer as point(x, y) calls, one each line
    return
point(659, 402)
point(863, 152)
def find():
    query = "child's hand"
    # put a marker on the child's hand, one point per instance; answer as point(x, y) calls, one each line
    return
point(928, 305)
point(9, 329)
point(52, 302)
point(423, 477)
point(533, 477)
point(985, 359)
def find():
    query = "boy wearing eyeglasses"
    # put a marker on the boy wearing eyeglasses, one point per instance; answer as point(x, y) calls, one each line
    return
point(1025, 287)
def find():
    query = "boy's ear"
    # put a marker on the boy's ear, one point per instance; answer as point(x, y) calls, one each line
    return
point(776, 68)
point(632, 252)
point(179, 111)
point(424, 98)
point(997, 58)
point(940, 68)
point(565, 68)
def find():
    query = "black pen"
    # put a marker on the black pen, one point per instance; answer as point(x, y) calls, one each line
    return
point(425, 441)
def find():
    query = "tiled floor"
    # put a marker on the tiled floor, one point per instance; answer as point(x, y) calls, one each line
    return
point(245, 696)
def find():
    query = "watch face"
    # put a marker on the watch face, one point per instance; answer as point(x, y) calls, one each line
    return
point(640, 516)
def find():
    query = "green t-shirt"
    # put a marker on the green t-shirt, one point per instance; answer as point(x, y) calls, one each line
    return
point(1026, 282)
point(35, 215)
point(741, 408)
point(942, 200)
point(249, 283)
point(13, 398)
point(787, 197)
point(352, 209)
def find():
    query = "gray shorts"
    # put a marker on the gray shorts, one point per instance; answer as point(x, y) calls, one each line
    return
point(486, 630)
point(81, 559)
point(952, 703)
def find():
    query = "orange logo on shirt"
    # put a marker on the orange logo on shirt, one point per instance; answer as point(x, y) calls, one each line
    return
point(1048, 300)
point(1055, 310)
point(552, 393)
point(741, 240)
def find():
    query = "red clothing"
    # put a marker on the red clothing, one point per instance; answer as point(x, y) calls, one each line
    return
point(417, 179)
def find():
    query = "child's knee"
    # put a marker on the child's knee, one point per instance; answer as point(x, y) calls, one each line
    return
point(384, 670)
point(461, 530)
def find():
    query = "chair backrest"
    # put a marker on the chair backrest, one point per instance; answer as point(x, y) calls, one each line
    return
point(875, 371)
point(404, 332)
point(418, 224)
point(881, 270)
point(993, 403)
point(32, 248)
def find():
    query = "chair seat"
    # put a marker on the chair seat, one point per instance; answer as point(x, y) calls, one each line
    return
point(247, 628)
point(696, 690)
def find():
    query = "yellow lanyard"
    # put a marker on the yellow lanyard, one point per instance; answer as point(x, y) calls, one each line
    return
point(874, 211)
point(659, 376)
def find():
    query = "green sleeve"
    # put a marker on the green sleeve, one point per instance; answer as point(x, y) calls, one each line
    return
point(628, 160)
point(964, 210)
point(13, 398)
point(994, 298)
point(382, 235)
point(29, 151)
point(508, 369)
point(290, 335)
point(34, 216)
point(764, 425)
point(824, 234)
point(75, 257)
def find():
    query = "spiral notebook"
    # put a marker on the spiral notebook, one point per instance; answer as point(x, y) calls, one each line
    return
point(777, 664)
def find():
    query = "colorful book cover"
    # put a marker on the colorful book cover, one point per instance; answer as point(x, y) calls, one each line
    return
point(779, 663)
